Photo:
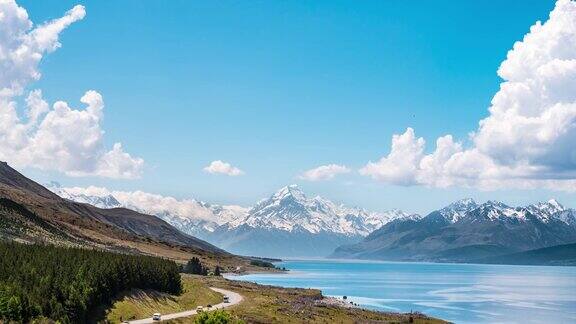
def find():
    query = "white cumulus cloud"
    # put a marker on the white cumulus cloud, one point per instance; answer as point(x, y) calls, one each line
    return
point(221, 167)
point(22, 47)
point(527, 140)
point(324, 172)
point(57, 138)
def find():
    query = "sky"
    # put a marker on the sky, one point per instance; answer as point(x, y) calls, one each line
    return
point(227, 101)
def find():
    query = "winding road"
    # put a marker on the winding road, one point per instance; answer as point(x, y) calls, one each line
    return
point(234, 298)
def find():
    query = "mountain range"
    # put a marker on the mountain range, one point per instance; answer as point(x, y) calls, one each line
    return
point(288, 223)
point(466, 231)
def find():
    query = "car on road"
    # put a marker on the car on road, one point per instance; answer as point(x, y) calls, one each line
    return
point(199, 309)
point(226, 299)
point(156, 317)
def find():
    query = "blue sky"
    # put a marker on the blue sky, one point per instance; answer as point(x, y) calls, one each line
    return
point(280, 87)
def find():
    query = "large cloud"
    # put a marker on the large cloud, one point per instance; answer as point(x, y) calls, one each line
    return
point(529, 138)
point(58, 138)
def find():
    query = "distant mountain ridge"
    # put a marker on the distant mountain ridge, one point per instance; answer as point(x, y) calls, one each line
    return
point(544, 211)
point(288, 223)
point(465, 231)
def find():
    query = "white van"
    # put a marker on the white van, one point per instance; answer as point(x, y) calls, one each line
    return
point(156, 317)
point(226, 299)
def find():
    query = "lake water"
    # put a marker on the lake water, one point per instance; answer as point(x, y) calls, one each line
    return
point(461, 293)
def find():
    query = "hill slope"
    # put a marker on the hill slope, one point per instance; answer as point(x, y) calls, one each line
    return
point(31, 213)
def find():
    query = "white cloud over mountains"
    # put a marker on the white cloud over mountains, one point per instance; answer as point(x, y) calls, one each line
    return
point(529, 138)
point(221, 167)
point(154, 203)
point(324, 172)
point(50, 138)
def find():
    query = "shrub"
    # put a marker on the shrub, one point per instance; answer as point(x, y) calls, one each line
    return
point(261, 263)
point(216, 317)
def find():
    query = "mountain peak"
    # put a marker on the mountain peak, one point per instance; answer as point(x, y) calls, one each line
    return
point(289, 191)
point(465, 202)
point(553, 202)
point(548, 208)
point(496, 204)
point(289, 209)
point(458, 209)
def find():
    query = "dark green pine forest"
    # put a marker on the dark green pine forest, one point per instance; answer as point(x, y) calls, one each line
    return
point(67, 284)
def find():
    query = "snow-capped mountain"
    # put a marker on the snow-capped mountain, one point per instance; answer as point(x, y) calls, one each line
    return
point(544, 212)
point(289, 223)
point(467, 231)
point(455, 211)
point(290, 209)
point(553, 209)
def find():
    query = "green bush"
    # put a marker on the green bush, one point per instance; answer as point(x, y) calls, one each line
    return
point(216, 317)
point(65, 284)
point(262, 263)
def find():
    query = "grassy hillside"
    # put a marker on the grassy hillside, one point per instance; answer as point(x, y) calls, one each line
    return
point(33, 210)
point(138, 303)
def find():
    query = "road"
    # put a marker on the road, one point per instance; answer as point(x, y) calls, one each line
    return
point(234, 298)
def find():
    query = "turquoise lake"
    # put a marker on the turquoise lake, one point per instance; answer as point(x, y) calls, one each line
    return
point(461, 293)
